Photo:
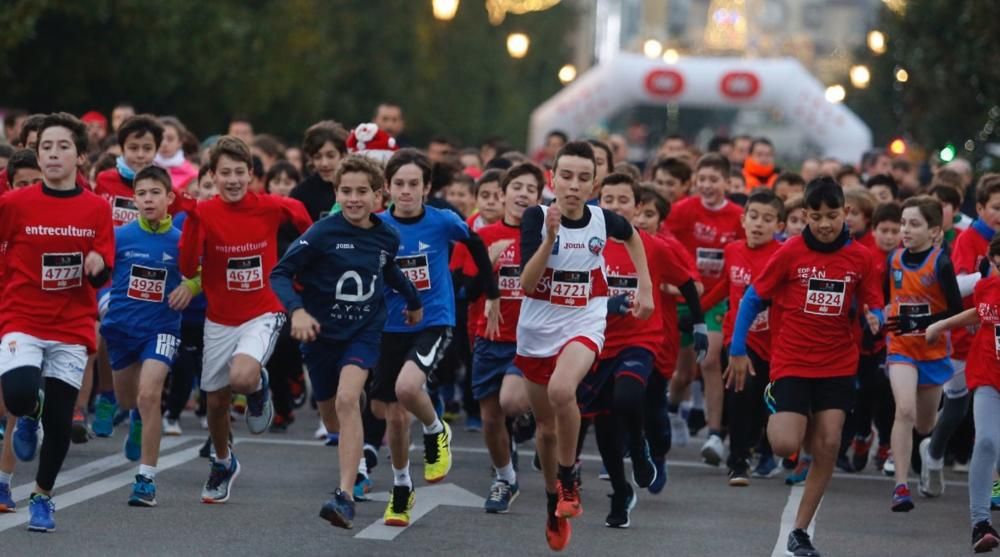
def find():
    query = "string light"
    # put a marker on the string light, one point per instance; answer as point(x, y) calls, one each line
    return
point(876, 41)
point(497, 10)
point(860, 76)
point(444, 10)
point(652, 48)
point(835, 93)
point(517, 45)
point(567, 73)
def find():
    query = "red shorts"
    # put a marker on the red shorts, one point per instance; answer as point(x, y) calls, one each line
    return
point(539, 370)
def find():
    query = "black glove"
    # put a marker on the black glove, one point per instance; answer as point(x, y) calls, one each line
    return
point(985, 267)
point(619, 305)
point(685, 324)
point(902, 324)
point(700, 334)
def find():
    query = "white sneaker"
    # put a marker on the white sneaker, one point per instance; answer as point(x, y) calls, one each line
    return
point(931, 477)
point(713, 451)
point(204, 422)
point(680, 436)
point(171, 427)
point(889, 468)
point(320, 432)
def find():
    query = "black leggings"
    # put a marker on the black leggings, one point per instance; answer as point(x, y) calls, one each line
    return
point(623, 425)
point(657, 419)
point(745, 410)
point(186, 368)
point(20, 393)
point(285, 364)
point(874, 401)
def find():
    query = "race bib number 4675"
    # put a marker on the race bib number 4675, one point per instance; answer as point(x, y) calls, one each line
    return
point(146, 284)
point(416, 269)
point(825, 296)
point(62, 270)
point(244, 274)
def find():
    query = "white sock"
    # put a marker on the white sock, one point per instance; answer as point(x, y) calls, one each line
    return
point(931, 463)
point(697, 397)
point(507, 473)
point(227, 462)
point(363, 467)
point(6, 478)
point(436, 427)
point(147, 471)
point(402, 477)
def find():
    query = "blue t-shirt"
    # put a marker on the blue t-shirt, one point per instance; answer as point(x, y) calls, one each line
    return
point(423, 257)
point(344, 272)
point(145, 273)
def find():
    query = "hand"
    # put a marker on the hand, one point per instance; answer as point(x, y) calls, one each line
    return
point(643, 306)
point(700, 334)
point(94, 264)
point(873, 322)
point(736, 373)
point(304, 326)
point(900, 325)
point(619, 305)
point(493, 319)
point(553, 218)
point(180, 298)
point(413, 317)
point(933, 332)
point(670, 289)
point(497, 248)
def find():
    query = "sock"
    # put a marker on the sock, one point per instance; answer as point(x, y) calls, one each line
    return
point(363, 467)
point(134, 415)
point(147, 471)
point(6, 478)
point(402, 476)
point(697, 397)
point(227, 462)
point(507, 474)
point(566, 474)
point(434, 428)
point(109, 396)
point(715, 432)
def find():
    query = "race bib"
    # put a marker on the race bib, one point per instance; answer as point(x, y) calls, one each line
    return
point(509, 279)
point(825, 296)
point(618, 286)
point(709, 261)
point(416, 269)
point(996, 340)
point(123, 210)
point(62, 270)
point(914, 310)
point(570, 288)
point(244, 274)
point(147, 284)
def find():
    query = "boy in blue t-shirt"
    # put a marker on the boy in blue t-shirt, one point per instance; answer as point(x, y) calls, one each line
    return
point(143, 321)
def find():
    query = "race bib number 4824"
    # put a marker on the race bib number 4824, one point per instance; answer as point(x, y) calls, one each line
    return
point(416, 269)
point(825, 296)
point(245, 274)
point(62, 270)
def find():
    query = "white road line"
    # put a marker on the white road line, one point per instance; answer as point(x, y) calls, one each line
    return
point(100, 487)
point(427, 499)
point(788, 521)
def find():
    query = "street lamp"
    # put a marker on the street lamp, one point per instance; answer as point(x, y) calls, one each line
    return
point(902, 75)
point(835, 93)
point(671, 56)
point(517, 45)
point(860, 76)
point(652, 48)
point(876, 42)
point(444, 10)
point(567, 73)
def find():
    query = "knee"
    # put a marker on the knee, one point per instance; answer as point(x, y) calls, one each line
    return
point(148, 399)
point(628, 398)
point(347, 402)
point(218, 401)
point(561, 394)
point(20, 390)
point(512, 405)
point(826, 446)
point(397, 418)
point(906, 415)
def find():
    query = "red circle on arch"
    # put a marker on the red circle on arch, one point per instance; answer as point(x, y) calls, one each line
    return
point(664, 83)
point(740, 85)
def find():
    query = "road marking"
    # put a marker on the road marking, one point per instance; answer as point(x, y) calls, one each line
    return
point(788, 520)
point(428, 498)
point(100, 487)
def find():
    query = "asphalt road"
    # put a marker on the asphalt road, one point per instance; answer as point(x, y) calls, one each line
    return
point(287, 477)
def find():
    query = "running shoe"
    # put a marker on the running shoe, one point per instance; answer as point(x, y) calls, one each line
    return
point(320, 432)
point(104, 417)
point(133, 441)
point(680, 436)
point(881, 456)
point(960, 467)
point(643, 468)
point(401, 501)
point(143, 492)
point(339, 511)
point(661, 476)
point(622, 505)
point(297, 388)
point(26, 438)
point(799, 544)
point(901, 500)
point(171, 427)
point(371, 457)
point(362, 486)
point(220, 480)
point(603, 474)
point(798, 476)
point(889, 466)
point(984, 537)
point(739, 475)
point(80, 432)
point(536, 462)
point(845, 464)
point(473, 424)
point(239, 406)
point(766, 467)
point(696, 421)
point(558, 531)
point(437, 454)
point(713, 451)
point(995, 496)
point(332, 440)
point(41, 509)
point(523, 428)
point(861, 446)
point(569, 505)
point(931, 479)
point(260, 409)
point(502, 494)
point(7, 504)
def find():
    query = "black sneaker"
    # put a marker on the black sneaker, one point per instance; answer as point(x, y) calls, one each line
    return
point(622, 504)
point(696, 421)
point(799, 544)
point(643, 469)
point(845, 464)
point(739, 475)
point(371, 458)
point(984, 537)
point(536, 463)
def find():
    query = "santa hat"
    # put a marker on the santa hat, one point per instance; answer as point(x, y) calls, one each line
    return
point(368, 140)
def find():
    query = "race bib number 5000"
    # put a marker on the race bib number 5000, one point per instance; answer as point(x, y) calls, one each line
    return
point(825, 296)
point(570, 288)
point(123, 210)
point(416, 269)
point(244, 274)
point(146, 284)
point(62, 270)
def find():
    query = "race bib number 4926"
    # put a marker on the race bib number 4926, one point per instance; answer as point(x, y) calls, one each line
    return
point(244, 274)
point(62, 270)
point(825, 296)
point(147, 284)
point(416, 269)
point(570, 288)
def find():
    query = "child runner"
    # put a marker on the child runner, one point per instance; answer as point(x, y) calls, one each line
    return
point(562, 322)
point(795, 217)
point(812, 281)
point(672, 179)
point(859, 206)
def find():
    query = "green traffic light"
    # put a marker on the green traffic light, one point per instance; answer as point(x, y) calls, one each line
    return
point(947, 154)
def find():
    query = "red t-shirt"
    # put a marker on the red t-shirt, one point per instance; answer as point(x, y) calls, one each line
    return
point(625, 331)
point(982, 367)
point(666, 358)
point(813, 333)
point(967, 252)
point(508, 271)
point(236, 245)
point(462, 259)
point(121, 196)
point(880, 259)
point(742, 264)
point(81, 180)
point(867, 239)
point(46, 236)
point(705, 233)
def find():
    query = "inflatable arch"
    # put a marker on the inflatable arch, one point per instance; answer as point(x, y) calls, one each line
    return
point(631, 79)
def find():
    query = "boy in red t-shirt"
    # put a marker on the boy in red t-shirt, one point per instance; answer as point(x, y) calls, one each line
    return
point(58, 241)
point(812, 282)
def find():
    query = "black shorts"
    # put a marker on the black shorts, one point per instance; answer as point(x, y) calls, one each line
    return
point(807, 396)
point(425, 348)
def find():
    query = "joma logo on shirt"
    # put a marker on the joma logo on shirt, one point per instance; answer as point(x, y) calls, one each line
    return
point(574, 245)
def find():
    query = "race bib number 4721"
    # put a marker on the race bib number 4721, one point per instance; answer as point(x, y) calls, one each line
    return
point(244, 274)
point(146, 284)
point(416, 269)
point(825, 296)
point(570, 288)
point(62, 270)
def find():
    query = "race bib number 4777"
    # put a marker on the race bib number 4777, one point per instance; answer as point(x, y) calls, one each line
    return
point(825, 296)
point(62, 270)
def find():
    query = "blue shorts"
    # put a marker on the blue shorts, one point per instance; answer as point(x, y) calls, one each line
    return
point(125, 350)
point(325, 359)
point(491, 362)
point(595, 394)
point(929, 372)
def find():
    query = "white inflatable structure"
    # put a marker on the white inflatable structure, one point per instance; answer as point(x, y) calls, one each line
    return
point(779, 83)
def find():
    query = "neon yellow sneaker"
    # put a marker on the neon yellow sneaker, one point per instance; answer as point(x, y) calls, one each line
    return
point(437, 454)
point(401, 501)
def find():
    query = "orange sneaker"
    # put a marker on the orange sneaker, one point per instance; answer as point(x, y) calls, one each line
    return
point(558, 532)
point(569, 505)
